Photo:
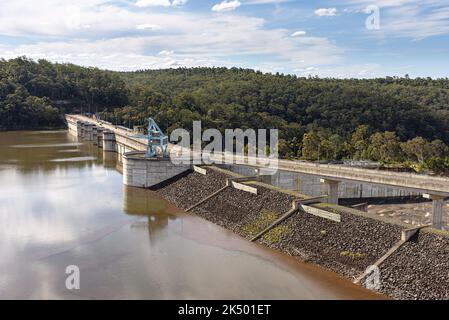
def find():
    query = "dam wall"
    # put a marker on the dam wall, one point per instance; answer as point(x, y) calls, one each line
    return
point(336, 182)
point(415, 270)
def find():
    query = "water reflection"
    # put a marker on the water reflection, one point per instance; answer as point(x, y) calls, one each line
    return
point(55, 145)
point(74, 159)
point(128, 242)
point(145, 203)
point(42, 153)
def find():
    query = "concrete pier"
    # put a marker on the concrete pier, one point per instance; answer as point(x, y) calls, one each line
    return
point(143, 172)
point(100, 137)
point(121, 149)
point(95, 135)
point(437, 209)
point(109, 143)
point(81, 132)
point(75, 128)
point(331, 187)
point(88, 131)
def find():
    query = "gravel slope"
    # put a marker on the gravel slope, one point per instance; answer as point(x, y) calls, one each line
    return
point(419, 270)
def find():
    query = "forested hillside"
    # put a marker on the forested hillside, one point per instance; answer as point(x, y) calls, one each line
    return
point(36, 95)
point(387, 120)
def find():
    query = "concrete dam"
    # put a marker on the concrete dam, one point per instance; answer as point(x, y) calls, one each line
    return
point(334, 181)
point(410, 262)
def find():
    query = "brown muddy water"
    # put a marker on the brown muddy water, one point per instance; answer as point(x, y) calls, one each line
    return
point(62, 203)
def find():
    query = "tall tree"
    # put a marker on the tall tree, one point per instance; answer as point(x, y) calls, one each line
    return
point(360, 142)
point(417, 149)
point(385, 147)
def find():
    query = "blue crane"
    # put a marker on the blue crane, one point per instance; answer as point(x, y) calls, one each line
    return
point(156, 139)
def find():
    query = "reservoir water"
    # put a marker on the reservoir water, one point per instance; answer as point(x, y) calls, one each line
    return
point(62, 203)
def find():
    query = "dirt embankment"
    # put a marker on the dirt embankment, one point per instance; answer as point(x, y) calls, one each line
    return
point(418, 270)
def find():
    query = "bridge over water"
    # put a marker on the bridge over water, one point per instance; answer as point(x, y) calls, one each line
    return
point(117, 138)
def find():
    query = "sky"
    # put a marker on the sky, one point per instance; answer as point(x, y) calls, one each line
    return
point(341, 39)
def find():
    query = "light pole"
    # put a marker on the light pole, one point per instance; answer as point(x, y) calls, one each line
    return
point(319, 151)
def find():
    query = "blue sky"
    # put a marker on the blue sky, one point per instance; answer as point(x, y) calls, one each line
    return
point(324, 38)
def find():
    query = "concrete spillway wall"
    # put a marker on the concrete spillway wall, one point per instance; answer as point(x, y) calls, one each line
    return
point(99, 136)
point(144, 172)
point(417, 270)
point(311, 185)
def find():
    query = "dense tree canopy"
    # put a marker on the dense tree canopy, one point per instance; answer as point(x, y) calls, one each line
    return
point(37, 94)
point(389, 119)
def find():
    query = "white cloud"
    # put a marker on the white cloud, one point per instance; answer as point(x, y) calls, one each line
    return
point(153, 3)
point(160, 3)
point(227, 5)
point(396, 3)
point(344, 71)
point(415, 19)
point(183, 38)
point(298, 34)
point(166, 53)
point(147, 26)
point(265, 1)
point(326, 12)
point(89, 20)
point(178, 3)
